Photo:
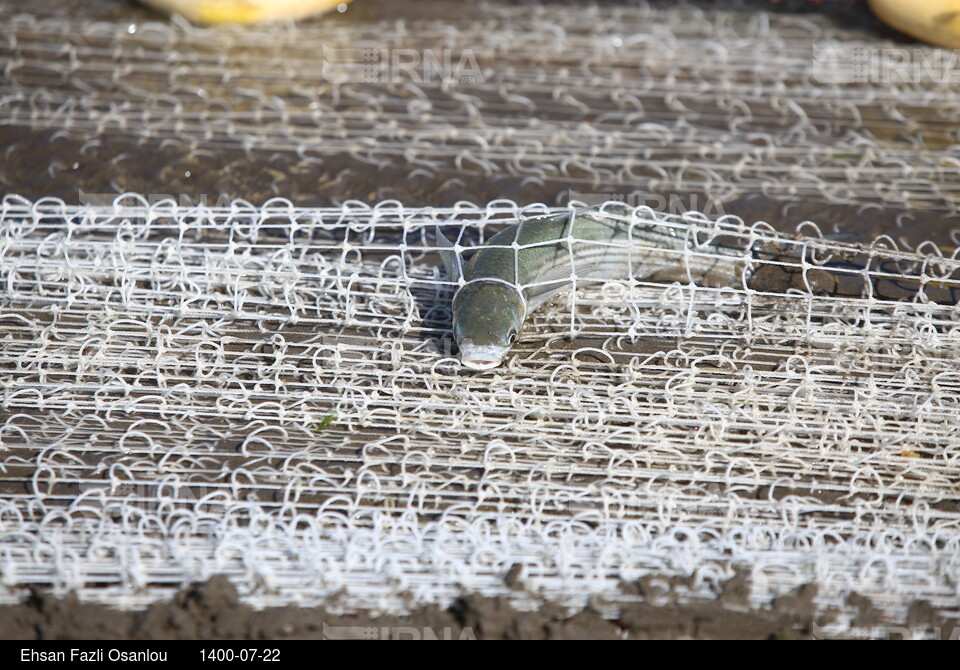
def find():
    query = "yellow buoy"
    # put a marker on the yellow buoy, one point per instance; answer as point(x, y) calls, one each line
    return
point(933, 21)
point(243, 11)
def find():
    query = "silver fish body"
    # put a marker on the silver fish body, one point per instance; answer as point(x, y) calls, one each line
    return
point(525, 265)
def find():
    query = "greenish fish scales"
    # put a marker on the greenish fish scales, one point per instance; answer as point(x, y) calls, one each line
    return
point(526, 264)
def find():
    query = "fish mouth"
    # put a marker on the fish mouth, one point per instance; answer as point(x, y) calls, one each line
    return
point(481, 357)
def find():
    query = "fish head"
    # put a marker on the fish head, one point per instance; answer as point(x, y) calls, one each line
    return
point(487, 316)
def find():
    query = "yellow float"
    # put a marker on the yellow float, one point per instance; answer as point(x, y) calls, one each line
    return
point(244, 11)
point(933, 21)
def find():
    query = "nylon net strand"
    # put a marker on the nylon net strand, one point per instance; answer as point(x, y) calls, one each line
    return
point(658, 99)
point(269, 392)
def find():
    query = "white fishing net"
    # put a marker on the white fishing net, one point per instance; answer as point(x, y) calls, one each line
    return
point(668, 99)
point(270, 391)
point(266, 393)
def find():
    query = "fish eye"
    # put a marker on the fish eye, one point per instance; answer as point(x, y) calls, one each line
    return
point(512, 337)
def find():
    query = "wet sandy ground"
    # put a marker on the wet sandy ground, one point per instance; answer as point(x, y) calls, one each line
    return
point(213, 611)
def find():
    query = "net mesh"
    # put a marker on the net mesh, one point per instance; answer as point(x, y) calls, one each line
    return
point(678, 100)
point(270, 391)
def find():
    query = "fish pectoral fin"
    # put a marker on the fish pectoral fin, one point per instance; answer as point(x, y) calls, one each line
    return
point(450, 258)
